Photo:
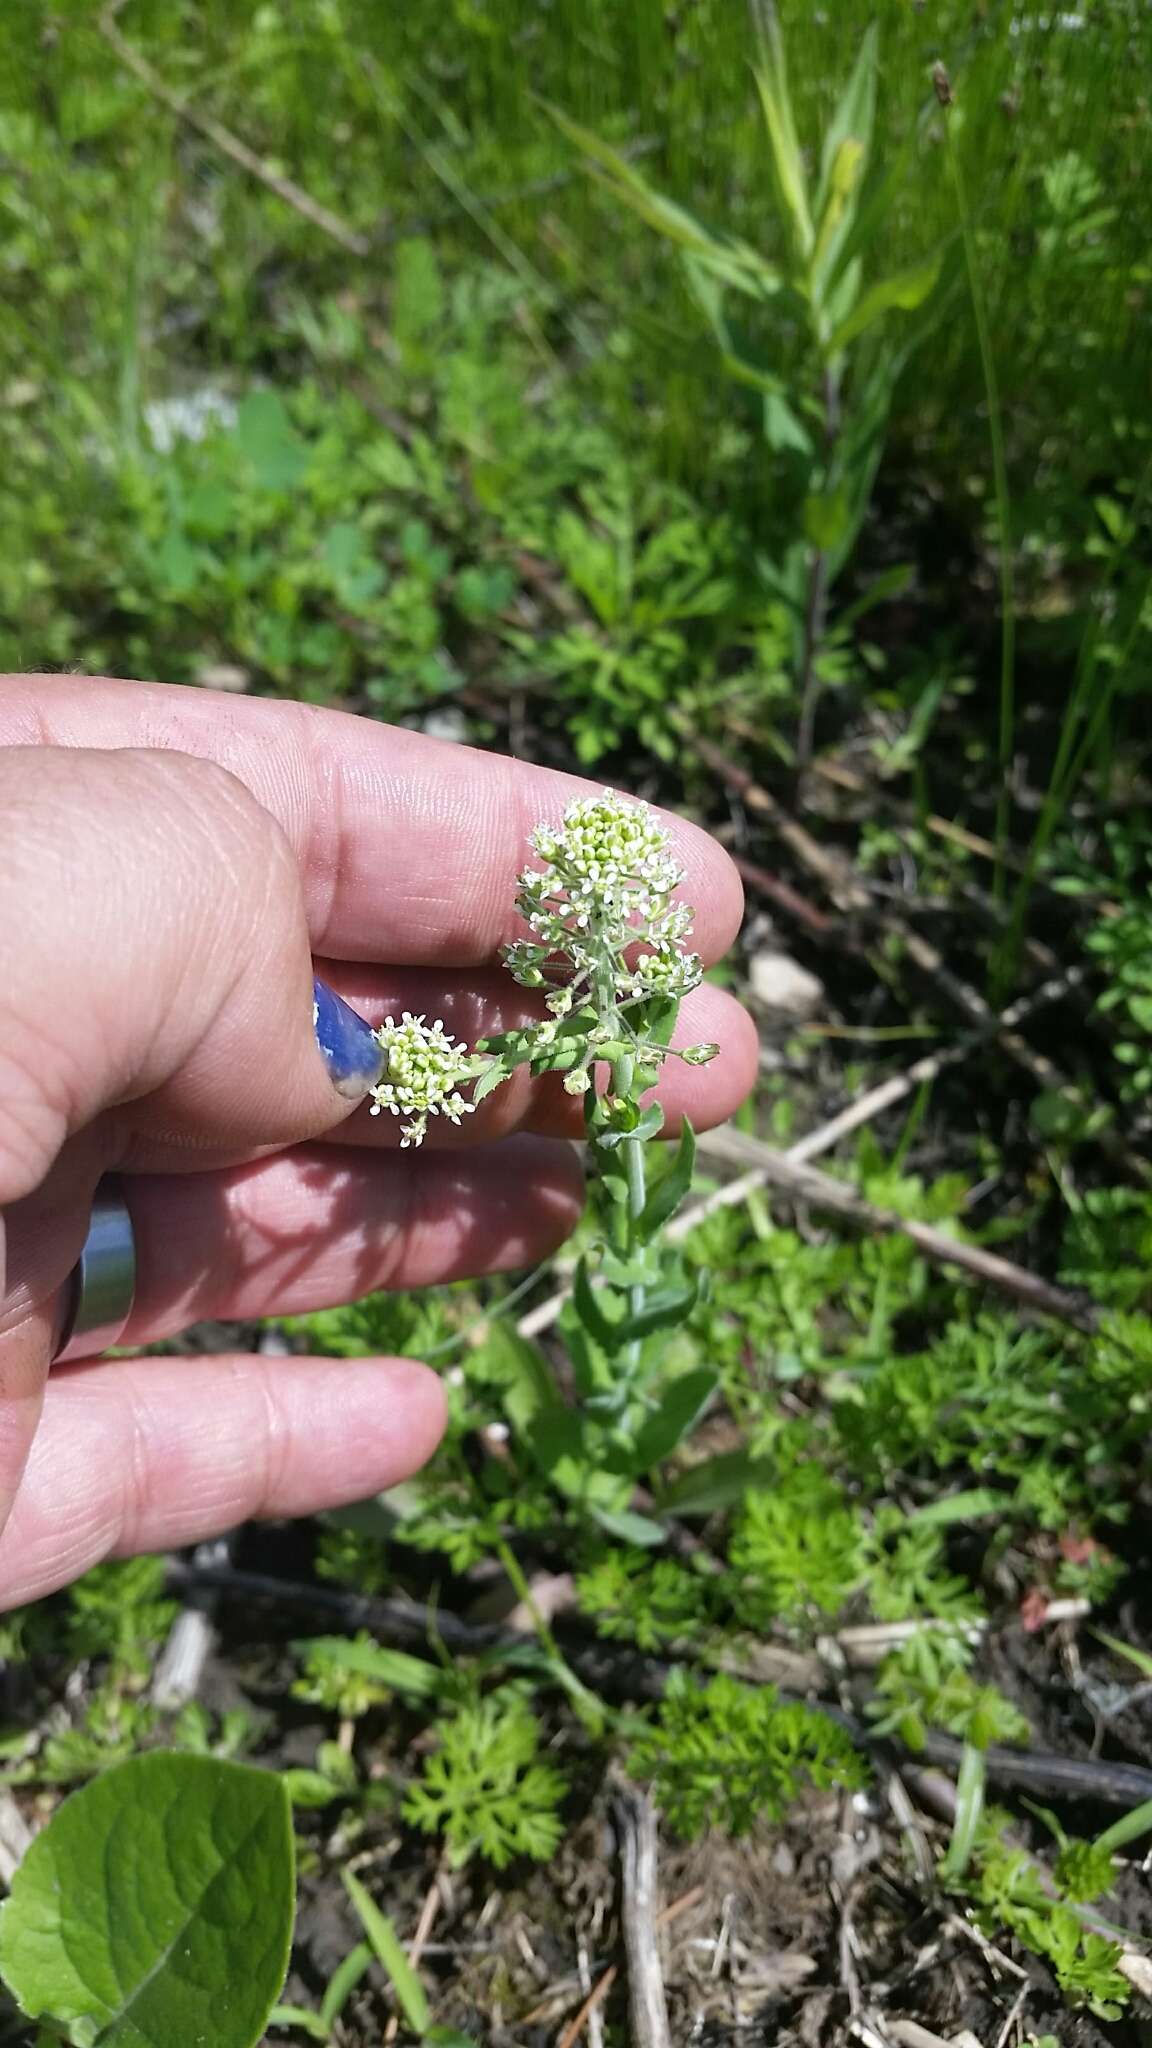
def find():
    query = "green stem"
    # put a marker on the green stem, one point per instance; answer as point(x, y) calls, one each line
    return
point(969, 1807)
point(623, 1083)
point(1007, 719)
point(587, 1705)
point(819, 580)
point(1127, 1829)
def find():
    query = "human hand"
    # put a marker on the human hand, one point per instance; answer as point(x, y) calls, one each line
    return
point(173, 867)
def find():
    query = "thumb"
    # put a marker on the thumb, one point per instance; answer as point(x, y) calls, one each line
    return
point(157, 966)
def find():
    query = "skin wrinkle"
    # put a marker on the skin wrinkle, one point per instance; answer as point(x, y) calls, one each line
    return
point(237, 1243)
point(131, 1471)
point(327, 832)
point(379, 1424)
point(275, 1442)
point(444, 789)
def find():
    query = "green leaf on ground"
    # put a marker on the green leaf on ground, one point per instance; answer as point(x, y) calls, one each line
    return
point(155, 1910)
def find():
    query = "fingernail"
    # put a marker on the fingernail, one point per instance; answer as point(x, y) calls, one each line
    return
point(351, 1054)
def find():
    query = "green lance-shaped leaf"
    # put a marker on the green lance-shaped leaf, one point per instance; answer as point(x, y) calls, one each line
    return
point(844, 159)
point(736, 264)
point(666, 1198)
point(715, 1483)
point(155, 1909)
point(604, 1331)
point(903, 292)
point(839, 213)
point(681, 1404)
point(853, 117)
point(787, 161)
point(391, 1955)
point(414, 1678)
point(661, 1311)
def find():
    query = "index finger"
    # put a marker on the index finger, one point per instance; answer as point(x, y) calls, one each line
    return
point(408, 847)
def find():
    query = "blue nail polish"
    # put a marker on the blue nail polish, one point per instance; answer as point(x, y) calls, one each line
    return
point(351, 1054)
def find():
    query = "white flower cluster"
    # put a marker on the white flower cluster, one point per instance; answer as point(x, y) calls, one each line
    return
point(604, 888)
point(423, 1072)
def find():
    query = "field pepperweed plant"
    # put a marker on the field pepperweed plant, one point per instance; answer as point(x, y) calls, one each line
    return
point(609, 945)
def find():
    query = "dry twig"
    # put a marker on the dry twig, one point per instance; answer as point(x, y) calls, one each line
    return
point(419, 1942)
point(230, 145)
point(821, 1191)
point(847, 890)
point(636, 1821)
point(607, 1978)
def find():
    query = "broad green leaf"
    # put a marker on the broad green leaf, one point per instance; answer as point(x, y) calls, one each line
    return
point(390, 1954)
point(906, 290)
point(736, 264)
point(825, 515)
point(308, 1788)
point(782, 429)
point(156, 1904)
point(267, 439)
point(521, 1371)
point(667, 1196)
point(776, 101)
point(680, 1406)
point(648, 1124)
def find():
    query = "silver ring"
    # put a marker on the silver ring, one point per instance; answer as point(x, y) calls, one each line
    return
point(100, 1290)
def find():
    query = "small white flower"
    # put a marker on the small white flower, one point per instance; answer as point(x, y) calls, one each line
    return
point(424, 1070)
point(605, 887)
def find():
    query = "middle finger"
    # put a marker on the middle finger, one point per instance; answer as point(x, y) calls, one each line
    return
point(323, 1224)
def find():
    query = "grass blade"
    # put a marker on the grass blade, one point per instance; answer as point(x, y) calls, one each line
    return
point(390, 1954)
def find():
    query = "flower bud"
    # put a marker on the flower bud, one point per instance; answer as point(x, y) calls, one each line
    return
point(577, 1082)
point(699, 1055)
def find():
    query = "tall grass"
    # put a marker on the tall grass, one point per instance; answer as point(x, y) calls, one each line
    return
point(425, 119)
point(672, 74)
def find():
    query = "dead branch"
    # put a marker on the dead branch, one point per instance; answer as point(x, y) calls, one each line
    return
point(621, 1672)
point(846, 889)
point(229, 145)
point(636, 1822)
point(834, 1197)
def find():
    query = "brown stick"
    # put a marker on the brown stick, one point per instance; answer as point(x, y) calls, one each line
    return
point(784, 896)
point(877, 1099)
point(636, 1820)
point(419, 1942)
point(229, 145)
point(825, 862)
point(848, 892)
point(606, 1980)
point(821, 1191)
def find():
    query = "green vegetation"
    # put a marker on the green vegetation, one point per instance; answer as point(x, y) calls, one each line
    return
point(712, 398)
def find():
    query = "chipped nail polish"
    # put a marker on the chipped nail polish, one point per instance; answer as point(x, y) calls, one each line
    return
point(347, 1043)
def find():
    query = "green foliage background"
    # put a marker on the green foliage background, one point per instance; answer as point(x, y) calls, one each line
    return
point(474, 455)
